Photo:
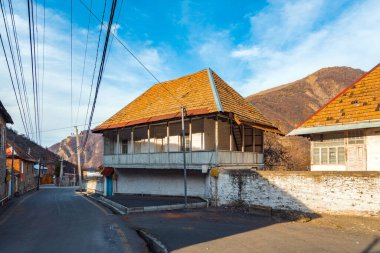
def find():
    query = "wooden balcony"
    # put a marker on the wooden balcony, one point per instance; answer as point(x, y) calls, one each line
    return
point(174, 160)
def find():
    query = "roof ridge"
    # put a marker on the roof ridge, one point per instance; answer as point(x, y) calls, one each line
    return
point(174, 79)
point(338, 95)
point(214, 90)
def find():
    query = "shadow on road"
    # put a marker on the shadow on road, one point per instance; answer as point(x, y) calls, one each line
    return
point(375, 244)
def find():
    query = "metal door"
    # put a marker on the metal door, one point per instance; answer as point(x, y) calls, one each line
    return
point(109, 186)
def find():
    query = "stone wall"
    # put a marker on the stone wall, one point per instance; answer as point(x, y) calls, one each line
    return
point(354, 193)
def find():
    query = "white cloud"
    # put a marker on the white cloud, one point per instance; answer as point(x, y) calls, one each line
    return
point(123, 78)
point(291, 39)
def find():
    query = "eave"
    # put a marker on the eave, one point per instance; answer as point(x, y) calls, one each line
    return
point(335, 128)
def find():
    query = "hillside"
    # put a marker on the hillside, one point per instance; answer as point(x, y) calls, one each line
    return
point(290, 104)
point(92, 155)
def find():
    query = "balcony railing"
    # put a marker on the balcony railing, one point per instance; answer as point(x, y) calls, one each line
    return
point(194, 159)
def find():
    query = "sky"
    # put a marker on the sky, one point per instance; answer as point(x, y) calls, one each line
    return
point(253, 45)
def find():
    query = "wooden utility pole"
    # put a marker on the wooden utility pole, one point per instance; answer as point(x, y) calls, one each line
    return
point(13, 170)
point(78, 156)
point(61, 172)
point(39, 174)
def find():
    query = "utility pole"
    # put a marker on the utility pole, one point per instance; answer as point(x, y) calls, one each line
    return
point(184, 153)
point(78, 155)
point(39, 174)
point(61, 172)
point(13, 170)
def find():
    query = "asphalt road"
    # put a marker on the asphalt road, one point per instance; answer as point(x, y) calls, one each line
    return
point(217, 230)
point(61, 220)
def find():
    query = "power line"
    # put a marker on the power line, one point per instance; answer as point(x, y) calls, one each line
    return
point(132, 54)
point(22, 111)
point(14, 89)
point(71, 61)
point(43, 68)
point(25, 95)
point(67, 127)
point(101, 68)
point(33, 62)
point(84, 63)
point(96, 60)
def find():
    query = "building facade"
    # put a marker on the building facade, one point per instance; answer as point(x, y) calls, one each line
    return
point(345, 133)
point(5, 119)
point(144, 147)
point(23, 165)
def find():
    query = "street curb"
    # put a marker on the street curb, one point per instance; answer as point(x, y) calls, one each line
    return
point(112, 207)
point(122, 210)
point(153, 243)
point(127, 210)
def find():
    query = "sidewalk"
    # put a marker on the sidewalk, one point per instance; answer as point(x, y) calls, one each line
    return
point(129, 203)
point(223, 230)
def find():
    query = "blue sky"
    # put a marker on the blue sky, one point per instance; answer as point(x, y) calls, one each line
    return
point(253, 45)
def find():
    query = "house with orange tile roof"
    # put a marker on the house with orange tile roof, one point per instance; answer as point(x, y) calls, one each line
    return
point(5, 119)
point(345, 133)
point(143, 146)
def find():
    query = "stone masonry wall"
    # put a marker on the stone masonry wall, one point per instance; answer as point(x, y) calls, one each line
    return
point(317, 192)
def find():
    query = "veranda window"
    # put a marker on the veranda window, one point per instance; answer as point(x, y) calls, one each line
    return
point(328, 149)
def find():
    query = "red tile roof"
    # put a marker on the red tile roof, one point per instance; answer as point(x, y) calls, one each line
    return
point(359, 102)
point(203, 92)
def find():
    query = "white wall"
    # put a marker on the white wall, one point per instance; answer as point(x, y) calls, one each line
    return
point(159, 182)
point(355, 193)
point(373, 149)
point(94, 185)
point(337, 167)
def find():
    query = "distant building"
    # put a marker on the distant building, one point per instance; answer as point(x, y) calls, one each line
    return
point(32, 152)
point(345, 133)
point(143, 141)
point(5, 118)
point(23, 162)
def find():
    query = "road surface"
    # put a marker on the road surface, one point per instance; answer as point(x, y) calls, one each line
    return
point(61, 220)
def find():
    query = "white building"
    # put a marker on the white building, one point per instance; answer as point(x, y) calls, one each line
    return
point(143, 143)
point(345, 133)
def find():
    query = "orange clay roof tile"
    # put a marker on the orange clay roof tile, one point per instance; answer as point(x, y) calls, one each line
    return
point(195, 91)
point(359, 102)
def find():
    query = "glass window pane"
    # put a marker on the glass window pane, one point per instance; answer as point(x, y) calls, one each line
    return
point(316, 156)
point(323, 155)
point(332, 155)
point(341, 155)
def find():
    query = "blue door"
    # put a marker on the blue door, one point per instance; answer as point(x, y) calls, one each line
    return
point(109, 186)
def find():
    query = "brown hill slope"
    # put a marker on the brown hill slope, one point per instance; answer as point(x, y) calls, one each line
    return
point(92, 155)
point(290, 104)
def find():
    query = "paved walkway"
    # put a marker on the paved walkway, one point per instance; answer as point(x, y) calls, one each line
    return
point(61, 220)
point(129, 200)
point(218, 230)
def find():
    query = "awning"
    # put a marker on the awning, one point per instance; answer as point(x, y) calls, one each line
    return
point(107, 171)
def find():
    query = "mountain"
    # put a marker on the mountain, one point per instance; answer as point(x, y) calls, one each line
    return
point(290, 104)
point(93, 152)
